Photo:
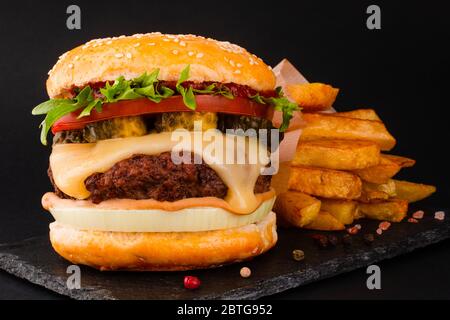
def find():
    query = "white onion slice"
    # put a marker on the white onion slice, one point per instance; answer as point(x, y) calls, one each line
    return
point(185, 220)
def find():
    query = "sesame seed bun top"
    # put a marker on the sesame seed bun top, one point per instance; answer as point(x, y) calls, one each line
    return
point(106, 59)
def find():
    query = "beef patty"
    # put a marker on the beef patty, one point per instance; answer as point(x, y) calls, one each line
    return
point(157, 177)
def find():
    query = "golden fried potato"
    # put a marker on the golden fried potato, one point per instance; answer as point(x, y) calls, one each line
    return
point(363, 114)
point(337, 154)
point(325, 183)
point(373, 191)
point(343, 210)
point(403, 162)
point(325, 222)
point(393, 210)
point(312, 96)
point(413, 192)
point(388, 167)
point(380, 173)
point(296, 208)
point(319, 126)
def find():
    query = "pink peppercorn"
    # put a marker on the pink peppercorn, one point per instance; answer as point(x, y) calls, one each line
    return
point(191, 282)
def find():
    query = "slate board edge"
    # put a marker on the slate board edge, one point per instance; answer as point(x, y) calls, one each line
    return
point(10, 263)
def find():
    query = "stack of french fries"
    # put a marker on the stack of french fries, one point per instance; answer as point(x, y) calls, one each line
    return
point(341, 171)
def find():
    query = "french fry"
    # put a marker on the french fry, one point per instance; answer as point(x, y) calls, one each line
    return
point(325, 222)
point(373, 191)
point(337, 154)
point(380, 173)
point(401, 161)
point(392, 210)
point(325, 183)
point(312, 96)
point(343, 210)
point(412, 192)
point(319, 126)
point(363, 114)
point(296, 208)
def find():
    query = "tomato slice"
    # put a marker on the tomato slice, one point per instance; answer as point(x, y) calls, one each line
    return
point(205, 103)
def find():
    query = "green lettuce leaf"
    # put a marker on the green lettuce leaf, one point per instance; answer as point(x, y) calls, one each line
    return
point(279, 103)
point(56, 108)
point(186, 93)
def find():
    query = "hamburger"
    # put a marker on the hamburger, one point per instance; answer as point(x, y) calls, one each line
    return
point(120, 200)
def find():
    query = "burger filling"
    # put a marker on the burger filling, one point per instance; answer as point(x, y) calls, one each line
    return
point(157, 177)
point(102, 111)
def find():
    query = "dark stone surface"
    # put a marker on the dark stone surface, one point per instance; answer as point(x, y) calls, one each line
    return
point(274, 272)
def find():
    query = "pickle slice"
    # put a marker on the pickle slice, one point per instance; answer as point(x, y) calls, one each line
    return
point(167, 122)
point(109, 129)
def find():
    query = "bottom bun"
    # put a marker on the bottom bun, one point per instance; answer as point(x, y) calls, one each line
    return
point(163, 251)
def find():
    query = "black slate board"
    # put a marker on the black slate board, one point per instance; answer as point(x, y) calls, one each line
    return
point(276, 271)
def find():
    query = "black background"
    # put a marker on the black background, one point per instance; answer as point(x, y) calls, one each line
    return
point(401, 71)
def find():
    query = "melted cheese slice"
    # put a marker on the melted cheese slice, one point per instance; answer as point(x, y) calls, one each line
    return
point(71, 164)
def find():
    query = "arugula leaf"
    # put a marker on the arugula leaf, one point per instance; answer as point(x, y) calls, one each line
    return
point(225, 92)
point(287, 107)
point(145, 79)
point(208, 89)
point(166, 92)
point(257, 98)
point(280, 103)
point(214, 89)
point(187, 94)
point(120, 90)
point(147, 86)
point(57, 108)
point(48, 105)
point(97, 103)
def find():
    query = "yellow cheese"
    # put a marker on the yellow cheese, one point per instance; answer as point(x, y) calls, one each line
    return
point(71, 164)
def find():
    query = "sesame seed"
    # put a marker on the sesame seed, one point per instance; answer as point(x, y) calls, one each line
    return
point(70, 65)
point(108, 42)
point(76, 58)
point(136, 45)
point(166, 40)
point(182, 43)
point(118, 55)
point(232, 63)
point(199, 55)
point(237, 71)
point(175, 51)
point(128, 55)
point(239, 65)
point(151, 43)
point(176, 40)
point(190, 53)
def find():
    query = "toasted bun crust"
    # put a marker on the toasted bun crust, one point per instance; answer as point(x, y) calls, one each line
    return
point(106, 59)
point(163, 251)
